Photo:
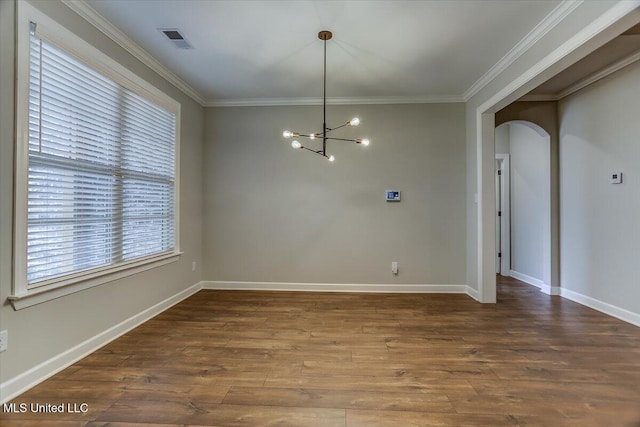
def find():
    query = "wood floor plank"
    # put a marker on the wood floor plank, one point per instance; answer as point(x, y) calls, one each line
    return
point(250, 358)
point(222, 415)
point(318, 398)
point(398, 370)
point(175, 375)
point(211, 393)
point(247, 353)
point(44, 423)
point(556, 390)
point(76, 390)
point(513, 405)
point(362, 418)
point(112, 424)
point(373, 384)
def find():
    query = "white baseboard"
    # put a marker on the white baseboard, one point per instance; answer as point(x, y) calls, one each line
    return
point(550, 290)
point(23, 382)
point(611, 310)
point(473, 293)
point(606, 308)
point(527, 279)
point(333, 287)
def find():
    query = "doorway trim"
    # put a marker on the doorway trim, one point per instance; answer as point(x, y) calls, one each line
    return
point(593, 35)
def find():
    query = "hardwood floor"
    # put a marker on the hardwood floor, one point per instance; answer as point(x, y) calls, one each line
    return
point(229, 358)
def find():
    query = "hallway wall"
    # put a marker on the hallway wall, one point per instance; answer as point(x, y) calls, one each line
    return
point(599, 135)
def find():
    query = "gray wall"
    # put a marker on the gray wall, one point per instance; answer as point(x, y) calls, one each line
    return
point(276, 214)
point(529, 199)
point(38, 333)
point(600, 233)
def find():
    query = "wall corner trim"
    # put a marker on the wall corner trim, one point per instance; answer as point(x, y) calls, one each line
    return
point(34, 376)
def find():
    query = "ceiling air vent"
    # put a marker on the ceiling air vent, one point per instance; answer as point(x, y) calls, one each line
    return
point(174, 36)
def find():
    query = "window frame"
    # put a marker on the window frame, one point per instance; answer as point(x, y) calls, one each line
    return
point(24, 295)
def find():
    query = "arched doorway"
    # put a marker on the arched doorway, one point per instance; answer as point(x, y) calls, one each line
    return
point(523, 223)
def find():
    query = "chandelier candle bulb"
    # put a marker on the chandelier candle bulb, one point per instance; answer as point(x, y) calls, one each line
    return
point(296, 144)
point(287, 134)
point(365, 142)
point(354, 122)
point(331, 158)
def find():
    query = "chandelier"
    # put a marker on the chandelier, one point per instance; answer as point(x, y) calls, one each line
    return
point(324, 135)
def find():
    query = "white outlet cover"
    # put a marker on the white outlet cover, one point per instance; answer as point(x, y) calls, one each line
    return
point(394, 267)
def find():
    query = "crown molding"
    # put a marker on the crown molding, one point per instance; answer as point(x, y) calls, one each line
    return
point(604, 21)
point(587, 81)
point(88, 13)
point(607, 71)
point(82, 8)
point(547, 24)
point(271, 102)
point(539, 97)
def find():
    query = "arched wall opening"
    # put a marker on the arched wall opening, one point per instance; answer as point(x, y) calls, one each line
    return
point(527, 146)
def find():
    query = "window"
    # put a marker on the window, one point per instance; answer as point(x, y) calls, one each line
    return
point(98, 162)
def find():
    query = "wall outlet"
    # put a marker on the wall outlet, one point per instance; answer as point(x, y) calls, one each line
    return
point(193, 266)
point(4, 340)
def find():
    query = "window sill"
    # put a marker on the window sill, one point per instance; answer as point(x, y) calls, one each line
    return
point(53, 291)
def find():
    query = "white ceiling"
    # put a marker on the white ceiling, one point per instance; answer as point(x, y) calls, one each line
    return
point(245, 51)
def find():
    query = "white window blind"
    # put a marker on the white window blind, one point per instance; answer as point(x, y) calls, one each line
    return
point(101, 170)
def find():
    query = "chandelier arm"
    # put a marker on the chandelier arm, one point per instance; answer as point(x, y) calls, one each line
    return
point(341, 126)
point(295, 134)
point(357, 141)
point(313, 151)
point(319, 152)
point(308, 136)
